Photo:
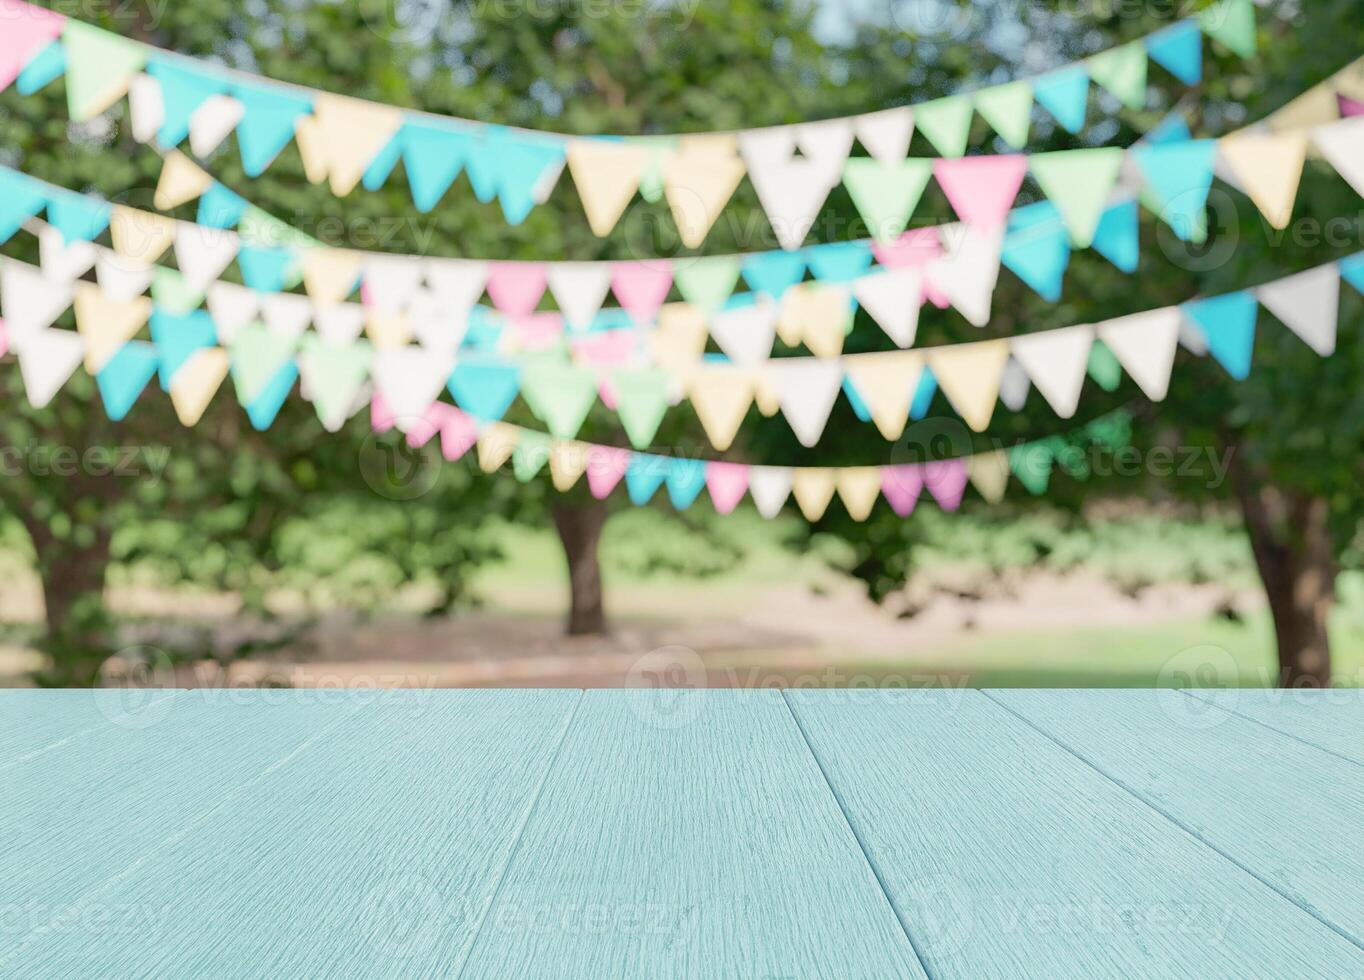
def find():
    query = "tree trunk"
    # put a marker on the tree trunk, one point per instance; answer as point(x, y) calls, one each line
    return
point(1291, 539)
point(579, 526)
point(73, 598)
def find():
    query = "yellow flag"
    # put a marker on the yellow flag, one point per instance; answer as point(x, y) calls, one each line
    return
point(496, 443)
point(698, 180)
point(388, 328)
point(140, 235)
point(1315, 107)
point(858, 487)
point(607, 175)
point(567, 461)
point(969, 376)
point(679, 340)
point(813, 488)
point(343, 137)
point(817, 314)
point(107, 324)
point(886, 382)
point(765, 396)
point(720, 394)
point(196, 381)
point(1269, 168)
point(329, 274)
point(989, 474)
point(181, 181)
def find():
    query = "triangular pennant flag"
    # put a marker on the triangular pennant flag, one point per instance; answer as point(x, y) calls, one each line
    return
point(196, 382)
point(886, 134)
point(457, 283)
point(1014, 386)
point(769, 486)
point(220, 207)
point(805, 389)
point(720, 394)
point(1315, 107)
point(527, 167)
point(827, 141)
point(1103, 367)
point(410, 379)
point(886, 194)
point(698, 179)
point(1145, 345)
point(1008, 110)
point(141, 235)
point(967, 274)
point(969, 376)
point(858, 488)
point(124, 376)
point(686, 479)
point(1227, 323)
point(1055, 361)
point(61, 260)
point(345, 135)
point(389, 328)
point(390, 281)
point(1032, 464)
point(707, 282)
point(886, 383)
point(329, 274)
point(643, 476)
point(105, 324)
point(1065, 94)
point(813, 488)
point(287, 313)
point(266, 270)
point(485, 388)
point(946, 123)
point(839, 261)
point(567, 461)
point(1342, 144)
point(680, 337)
point(27, 30)
point(121, 278)
point(496, 445)
point(1179, 50)
point(177, 337)
point(607, 174)
point(560, 395)
point(46, 360)
point(211, 123)
point(1269, 169)
point(945, 479)
point(1118, 236)
point(1079, 183)
point(1233, 23)
point(184, 88)
point(579, 288)
point(1037, 248)
point(181, 181)
point(791, 190)
point(773, 273)
point(900, 485)
point(1178, 177)
point(339, 324)
point(605, 467)
point(269, 118)
point(746, 333)
point(1352, 270)
point(982, 189)
point(21, 198)
point(257, 356)
point(261, 411)
point(516, 287)
point(641, 287)
point(651, 181)
point(989, 474)
point(30, 300)
point(433, 156)
point(820, 315)
point(99, 66)
point(1308, 304)
point(641, 402)
point(45, 67)
point(892, 298)
point(80, 218)
point(530, 456)
point(232, 307)
point(203, 253)
point(144, 106)
point(458, 434)
point(1122, 70)
point(727, 484)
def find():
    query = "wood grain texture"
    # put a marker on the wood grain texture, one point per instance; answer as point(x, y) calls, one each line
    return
point(373, 852)
point(1332, 720)
point(1286, 811)
point(689, 834)
point(1008, 857)
point(34, 722)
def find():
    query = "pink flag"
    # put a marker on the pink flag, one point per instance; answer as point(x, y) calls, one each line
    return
point(538, 331)
point(918, 246)
point(516, 287)
point(727, 483)
point(641, 287)
point(24, 31)
point(609, 348)
point(458, 434)
point(380, 415)
point(607, 394)
point(900, 485)
point(605, 466)
point(1350, 107)
point(431, 422)
point(946, 481)
point(982, 189)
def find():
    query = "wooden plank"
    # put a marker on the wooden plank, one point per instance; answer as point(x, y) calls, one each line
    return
point(689, 834)
point(1332, 720)
point(1006, 856)
point(106, 800)
point(1287, 812)
point(34, 722)
point(375, 852)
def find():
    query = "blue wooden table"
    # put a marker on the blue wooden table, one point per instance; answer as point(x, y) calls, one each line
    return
point(682, 834)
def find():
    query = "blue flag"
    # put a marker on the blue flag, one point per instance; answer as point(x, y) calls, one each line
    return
point(1037, 248)
point(266, 405)
point(1065, 94)
point(686, 479)
point(267, 124)
point(1178, 177)
point(1228, 323)
point(1179, 50)
point(484, 388)
point(177, 336)
point(21, 198)
point(183, 89)
point(643, 475)
point(1118, 236)
point(124, 377)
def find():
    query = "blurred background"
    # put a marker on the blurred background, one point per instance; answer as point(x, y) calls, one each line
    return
point(1214, 539)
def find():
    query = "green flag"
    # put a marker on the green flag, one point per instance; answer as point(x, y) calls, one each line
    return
point(1103, 367)
point(1031, 463)
point(1079, 183)
point(336, 372)
point(257, 354)
point(1122, 71)
point(1233, 23)
point(560, 395)
point(946, 123)
point(886, 194)
point(641, 402)
point(530, 455)
point(99, 66)
point(707, 282)
point(1008, 110)
point(171, 293)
